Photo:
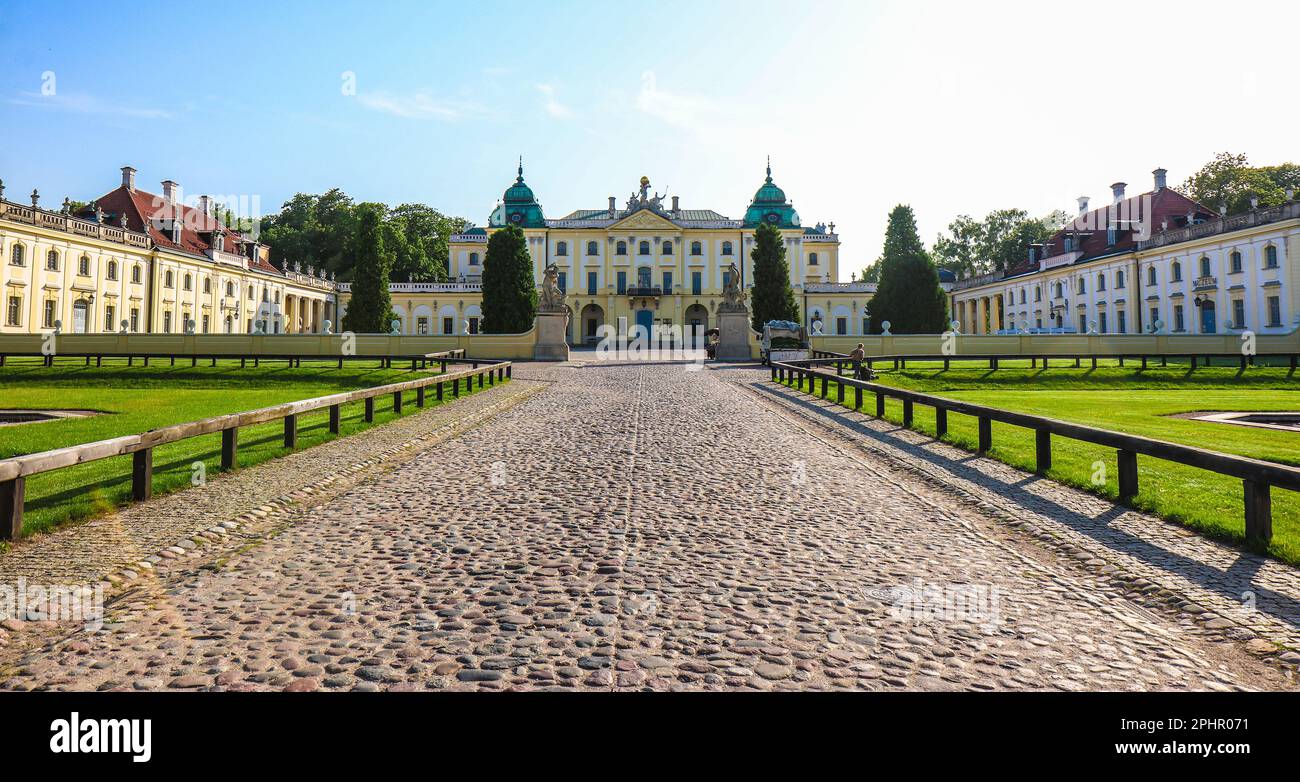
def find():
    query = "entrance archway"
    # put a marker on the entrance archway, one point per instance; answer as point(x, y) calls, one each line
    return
point(80, 317)
point(593, 317)
point(697, 322)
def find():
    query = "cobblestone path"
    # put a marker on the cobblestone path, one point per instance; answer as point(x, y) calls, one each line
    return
point(640, 526)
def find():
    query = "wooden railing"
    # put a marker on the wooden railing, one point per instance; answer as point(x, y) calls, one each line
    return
point(994, 359)
point(1257, 476)
point(15, 471)
point(418, 360)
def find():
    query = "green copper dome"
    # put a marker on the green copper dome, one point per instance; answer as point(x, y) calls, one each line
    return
point(519, 206)
point(770, 206)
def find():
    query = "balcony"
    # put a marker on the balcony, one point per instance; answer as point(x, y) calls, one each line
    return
point(639, 291)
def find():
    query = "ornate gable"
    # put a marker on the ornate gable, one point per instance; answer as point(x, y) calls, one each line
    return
point(645, 220)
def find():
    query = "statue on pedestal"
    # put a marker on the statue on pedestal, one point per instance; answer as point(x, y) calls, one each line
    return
point(552, 297)
point(733, 296)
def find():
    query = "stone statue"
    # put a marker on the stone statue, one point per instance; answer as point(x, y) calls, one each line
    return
point(552, 296)
point(733, 295)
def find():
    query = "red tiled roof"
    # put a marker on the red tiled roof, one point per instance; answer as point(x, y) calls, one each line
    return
point(145, 211)
point(1090, 232)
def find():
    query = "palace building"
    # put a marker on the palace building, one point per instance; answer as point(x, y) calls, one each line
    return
point(1158, 262)
point(138, 262)
point(644, 262)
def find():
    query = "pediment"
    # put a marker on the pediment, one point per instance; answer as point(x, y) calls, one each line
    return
point(644, 220)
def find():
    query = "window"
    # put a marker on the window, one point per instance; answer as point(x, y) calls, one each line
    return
point(668, 283)
point(668, 248)
point(1060, 290)
point(1176, 272)
point(620, 248)
point(109, 325)
point(1122, 319)
point(168, 280)
point(593, 248)
point(49, 314)
point(16, 255)
point(1205, 266)
point(1038, 293)
point(112, 270)
point(1082, 286)
point(448, 325)
point(1083, 323)
point(1022, 295)
point(135, 319)
point(1234, 262)
point(83, 266)
point(591, 283)
point(866, 325)
point(230, 289)
point(562, 248)
point(207, 323)
point(473, 259)
point(167, 323)
point(52, 261)
point(726, 279)
point(812, 259)
point(1110, 235)
point(207, 285)
point(622, 283)
point(697, 283)
point(1270, 257)
point(1101, 323)
point(1119, 281)
point(1179, 323)
point(1239, 313)
point(1274, 311)
point(1151, 275)
point(421, 326)
point(1101, 282)
point(563, 282)
point(13, 313)
point(643, 248)
point(473, 325)
point(189, 281)
point(841, 326)
point(726, 248)
point(697, 248)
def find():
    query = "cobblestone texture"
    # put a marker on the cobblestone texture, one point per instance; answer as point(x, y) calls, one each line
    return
point(640, 526)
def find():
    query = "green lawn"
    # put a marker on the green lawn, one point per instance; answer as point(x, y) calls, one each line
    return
point(136, 399)
point(1127, 400)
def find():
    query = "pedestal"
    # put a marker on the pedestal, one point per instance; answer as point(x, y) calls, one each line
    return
point(733, 334)
point(552, 333)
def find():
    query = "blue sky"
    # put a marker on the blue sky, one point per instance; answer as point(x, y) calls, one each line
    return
point(947, 106)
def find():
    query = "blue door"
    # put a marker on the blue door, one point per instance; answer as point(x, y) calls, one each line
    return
point(645, 320)
point(1207, 318)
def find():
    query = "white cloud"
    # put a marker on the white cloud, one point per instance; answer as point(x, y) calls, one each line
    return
point(679, 110)
point(553, 106)
point(81, 103)
point(424, 105)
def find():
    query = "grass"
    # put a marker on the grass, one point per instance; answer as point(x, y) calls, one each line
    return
point(135, 399)
point(1127, 400)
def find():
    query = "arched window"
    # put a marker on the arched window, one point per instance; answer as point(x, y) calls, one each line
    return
point(1176, 272)
point(1082, 287)
point(812, 259)
point(1205, 266)
point(1151, 275)
point(16, 257)
point(135, 273)
point(562, 248)
point(473, 259)
point(697, 248)
point(1119, 279)
point(168, 280)
point(644, 248)
point(726, 248)
point(1235, 260)
point(112, 270)
point(189, 281)
point(1022, 295)
point(1270, 257)
point(1060, 290)
point(668, 248)
point(1038, 293)
point(230, 288)
point(83, 266)
point(593, 248)
point(1101, 282)
point(207, 285)
point(277, 297)
point(620, 248)
point(52, 261)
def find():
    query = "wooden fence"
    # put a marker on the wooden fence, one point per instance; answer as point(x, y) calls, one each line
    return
point(15, 471)
point(1257, 476)
point(418, 360)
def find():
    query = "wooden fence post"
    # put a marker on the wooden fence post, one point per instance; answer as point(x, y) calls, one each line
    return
point(142, 474)
point(1259, 513)
point(839, 392)
point(1128, 475)
point(419, 397)
point(438, 390)
point(335, 418)
point(12, 493)
point(986, 434)
point(230, 448)
point(291, 431)
point(907, 412)
point(370, 409)
point(940, 422)
point(1043, 450)
point(880, 404)
point(397, 402)
point(857, 398)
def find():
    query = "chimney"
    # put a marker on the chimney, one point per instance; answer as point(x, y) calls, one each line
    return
point(171, 192)
point(205, 206)
point(1118, 190)
point(1159, 174)
point(1083, 205)
point(612, 209)
point(128, 178)
point(676, 207)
